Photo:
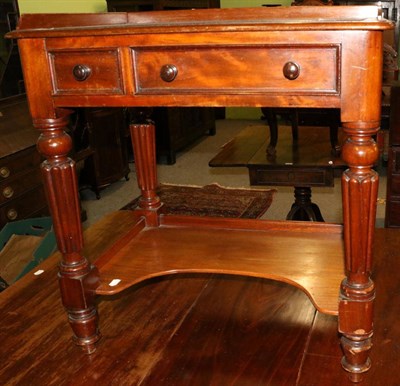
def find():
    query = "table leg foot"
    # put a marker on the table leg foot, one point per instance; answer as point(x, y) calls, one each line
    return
point(355, 325)
point(356, 361)
point(84, 326)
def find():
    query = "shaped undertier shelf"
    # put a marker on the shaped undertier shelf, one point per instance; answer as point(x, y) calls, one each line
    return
point(308, 256)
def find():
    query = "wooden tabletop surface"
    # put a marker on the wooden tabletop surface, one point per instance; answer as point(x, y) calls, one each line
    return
point(194, 329)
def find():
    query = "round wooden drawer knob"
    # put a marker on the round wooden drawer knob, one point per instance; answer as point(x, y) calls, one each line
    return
point(291, 70)
point(168, 72)
point(81, 72)
point(12, 214)
point(4, 172)
point(8, 192)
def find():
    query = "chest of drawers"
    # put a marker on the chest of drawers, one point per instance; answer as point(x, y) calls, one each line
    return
point(21, 188)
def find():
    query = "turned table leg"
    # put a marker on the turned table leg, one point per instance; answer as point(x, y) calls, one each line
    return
point(360, 188)
point(77, 277)
point(144, 149)
point(303, 209)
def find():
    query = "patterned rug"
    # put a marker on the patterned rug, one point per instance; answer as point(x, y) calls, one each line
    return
point(212, 200)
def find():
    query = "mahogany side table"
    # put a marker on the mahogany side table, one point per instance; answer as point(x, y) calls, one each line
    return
point(272, 57)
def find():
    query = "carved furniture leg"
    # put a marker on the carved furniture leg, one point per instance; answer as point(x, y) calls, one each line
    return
point(360, 188)
point(144, 149)
point(77, 277)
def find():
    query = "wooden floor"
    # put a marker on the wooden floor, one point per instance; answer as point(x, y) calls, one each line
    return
point(195, 330)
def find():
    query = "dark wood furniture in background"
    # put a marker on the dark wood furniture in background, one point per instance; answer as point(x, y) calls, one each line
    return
point(105, 132)
point(302, 117)
point(21, 188)
point(176, 127)
point(11, 79)
point(152, 59)
point(392, 215)
point(305, 164)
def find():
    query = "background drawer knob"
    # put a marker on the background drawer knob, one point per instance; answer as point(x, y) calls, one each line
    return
point(291, 70)
point(4, 172)
point(81, 72)
point(168, 72)
point(12, 214)
point(8, 192)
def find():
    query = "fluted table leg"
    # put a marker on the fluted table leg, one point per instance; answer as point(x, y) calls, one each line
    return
point(360, 189)
point(144, 149)
point(77, 277)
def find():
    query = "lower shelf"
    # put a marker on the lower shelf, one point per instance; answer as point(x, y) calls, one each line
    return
point(307, 255)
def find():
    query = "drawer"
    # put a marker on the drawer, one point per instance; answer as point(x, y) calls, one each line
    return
point(17, 185)
point(86, 72)
point(291, 176)
point(13, 165)
point(25, 206)
point(279, 69)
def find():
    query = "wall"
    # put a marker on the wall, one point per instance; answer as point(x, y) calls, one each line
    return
point(251, 3)
point(53, 6)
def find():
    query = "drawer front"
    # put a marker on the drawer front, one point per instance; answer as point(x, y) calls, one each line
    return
point(286, 176)
point(25, 206)
point(286, 70)
point(24, 160)
point(86, 72)
point(17, 185)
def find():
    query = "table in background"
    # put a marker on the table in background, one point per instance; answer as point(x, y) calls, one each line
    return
point(303, 163)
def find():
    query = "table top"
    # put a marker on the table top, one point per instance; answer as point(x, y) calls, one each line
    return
point(225, 19)
point(248, 148)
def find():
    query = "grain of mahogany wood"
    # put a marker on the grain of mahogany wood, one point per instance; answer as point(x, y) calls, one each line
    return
point(179, 246)
point(241, 332)
point(155, 329)
point(193, 329)
point(198, 331)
